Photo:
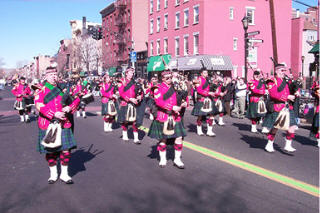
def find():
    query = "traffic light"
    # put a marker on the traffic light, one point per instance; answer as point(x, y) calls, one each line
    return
point(99, 33)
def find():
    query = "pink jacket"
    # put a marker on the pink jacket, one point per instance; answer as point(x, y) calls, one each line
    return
point(165, 105)
point(21, 91)
point(106, 95)
point(80, 88)
point(278, 96)
point(255, 92)
point(204, 92)
point(126, 95)
point(48, 110)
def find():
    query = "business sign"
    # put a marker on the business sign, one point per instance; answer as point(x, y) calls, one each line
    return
point(255, 40)
point(133, 56)
point(253, 33)
point(217, 61)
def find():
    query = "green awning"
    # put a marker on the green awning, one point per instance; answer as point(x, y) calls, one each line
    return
point(82, 74)
point(156, 62)
point(315, 48)
point(112, 70)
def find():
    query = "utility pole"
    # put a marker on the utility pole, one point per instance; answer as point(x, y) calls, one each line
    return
point(274, 34)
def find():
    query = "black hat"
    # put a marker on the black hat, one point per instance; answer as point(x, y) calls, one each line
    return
point(256, 73)
point(278, 66)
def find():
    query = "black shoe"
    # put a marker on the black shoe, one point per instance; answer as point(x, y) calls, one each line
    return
point(179, 167)
point(51, 181)
point(68, 182)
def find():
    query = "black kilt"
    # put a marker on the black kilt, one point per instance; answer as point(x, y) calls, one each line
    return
point(252, 111)
point(196, 111)
point(215, 109)
point(121, 116)
point(67, 140)
point(156, 130)
point(270, 119)
point(104, 108)
point(315, 126)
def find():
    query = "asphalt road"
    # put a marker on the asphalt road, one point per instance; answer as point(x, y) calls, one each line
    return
point(115, 176)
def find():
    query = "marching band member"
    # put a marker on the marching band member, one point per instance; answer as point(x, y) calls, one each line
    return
point(218, 102)
point(204, 106)
point(131, 96)
point(168, 123)
point(81, 90)
point(55, 136)
point(315, 130)
point(281, 115)
point(22, 93)
point(257, 108)
point(108, 101)
point(150, 97)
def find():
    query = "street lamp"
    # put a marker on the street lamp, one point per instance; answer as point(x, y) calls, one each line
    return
point(245, 28)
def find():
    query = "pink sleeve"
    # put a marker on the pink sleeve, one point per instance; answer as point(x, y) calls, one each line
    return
point(15, 91)
point(43, 108)
point(274, 94)
point(103, 92)
point(122, 93)
point(260, 91)
point(74, 105)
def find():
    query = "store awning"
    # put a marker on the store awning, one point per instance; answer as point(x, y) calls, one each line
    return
point(315, 48)
point(173, 64)
point(196, 62)
point(219, 62)
point(156, 63)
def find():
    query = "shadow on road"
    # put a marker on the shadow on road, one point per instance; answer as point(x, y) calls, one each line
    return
point(242, 126)
point(80, 157)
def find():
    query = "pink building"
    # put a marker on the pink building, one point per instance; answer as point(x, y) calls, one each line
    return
point(191, 27)
point(125, 29)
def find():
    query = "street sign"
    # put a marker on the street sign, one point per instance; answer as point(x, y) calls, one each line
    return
point(253, 33)
point(256, 40)
point(133, 56)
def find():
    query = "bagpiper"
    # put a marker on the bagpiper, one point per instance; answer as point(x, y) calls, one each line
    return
point(315, 130)
point(55, 138)
point(168, 122)
point(109, 104)
point(219, 92)
point(280, 114)
point(22, 92)
point(204, 106)
point(81, 90)
point(257, 108)
point(131, 110)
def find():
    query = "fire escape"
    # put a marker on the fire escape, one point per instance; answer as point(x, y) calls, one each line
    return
point(120, 36)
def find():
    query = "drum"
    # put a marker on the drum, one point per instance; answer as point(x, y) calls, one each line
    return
point(88, 98)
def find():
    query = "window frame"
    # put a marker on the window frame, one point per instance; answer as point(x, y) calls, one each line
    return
point(177, 21)
point(177, 47)
point(184, 17)
point(194, 14)
point(194, 43)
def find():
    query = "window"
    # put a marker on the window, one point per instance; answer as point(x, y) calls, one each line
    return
point(186, 45)
point(186, 17)
point(177, 49)
point(177, 2)
point(158, 5)
point(151, 6)
point(235, 43)
point(195, 43)
point(231, 13)
point(158, 24)
point(196, 14)
point(165, 21)
point(177, 20)
point(165, 3)
point(158, 47)
point(165, 46)
point(151, 48)
point(250, 15)
point(151, 26)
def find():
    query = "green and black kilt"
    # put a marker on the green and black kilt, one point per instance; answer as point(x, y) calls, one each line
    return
point(196, 111)
point(315, 126)
point(252, 111)
point(156, 130)
point(67, 140)
point(270, 119)
point(104, 108)
point(121, 116)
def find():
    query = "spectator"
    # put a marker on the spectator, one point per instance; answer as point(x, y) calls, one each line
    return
point(240, 102)
point(229, 88)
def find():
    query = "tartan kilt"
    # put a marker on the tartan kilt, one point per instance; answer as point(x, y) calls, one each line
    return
point(270, 119)
point(67, 140)
point(252, 111)
point(196, 111)
point(215, 110)
point(156, 130)
point(104, 108)
point(121, 116)
point(315, 126)
point(140, 109)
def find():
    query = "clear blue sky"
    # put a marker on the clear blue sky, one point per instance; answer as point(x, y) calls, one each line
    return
point(32, 27)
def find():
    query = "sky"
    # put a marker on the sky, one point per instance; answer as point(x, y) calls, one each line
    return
point(33, 27)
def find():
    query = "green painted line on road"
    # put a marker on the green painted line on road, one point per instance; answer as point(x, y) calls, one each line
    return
point(299, 185)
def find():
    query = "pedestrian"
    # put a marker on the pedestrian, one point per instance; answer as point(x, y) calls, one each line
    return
point(240, 95)
point(168, 123)
point(204, 106)
point(22, 92)
point(257, 108)
point(229, 89)
point(49, 103)
point(109, 103)
point(281, 114)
